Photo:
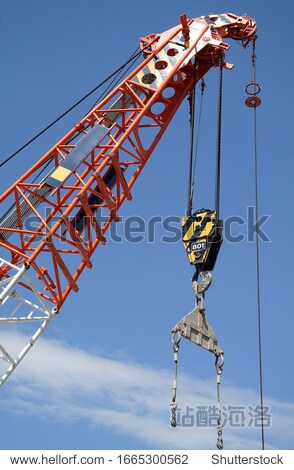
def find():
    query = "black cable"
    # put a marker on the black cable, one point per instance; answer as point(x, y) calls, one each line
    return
point(218, 140)
point(68, 110)
point(258, 283)
point(43, 169)
point(132, 60)
point(192, 101)
point(258, 256)
point(110, 87)
point(12, 207)
point(116, 79)
point(197, 137)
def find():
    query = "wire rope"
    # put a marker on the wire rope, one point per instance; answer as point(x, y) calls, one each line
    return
point(134, 56)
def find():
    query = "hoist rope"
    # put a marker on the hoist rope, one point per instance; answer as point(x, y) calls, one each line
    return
point(193, 153)
point(258, 281)
point(197, 136)
point(218, 140)
point(132, 58)
point(192, 103)
point(257, 253)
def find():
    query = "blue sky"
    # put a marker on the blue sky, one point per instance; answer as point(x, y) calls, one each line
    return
point(101, 376)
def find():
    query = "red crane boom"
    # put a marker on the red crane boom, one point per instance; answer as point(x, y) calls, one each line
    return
point(50, 227)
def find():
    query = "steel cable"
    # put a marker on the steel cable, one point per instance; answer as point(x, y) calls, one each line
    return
point(132, 58)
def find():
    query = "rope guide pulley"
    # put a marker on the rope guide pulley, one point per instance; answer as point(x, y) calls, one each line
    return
point(253, 88)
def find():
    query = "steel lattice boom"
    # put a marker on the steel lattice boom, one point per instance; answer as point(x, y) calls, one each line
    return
point(50, 229)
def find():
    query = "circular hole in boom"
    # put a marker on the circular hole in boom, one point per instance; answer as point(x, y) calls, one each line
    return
point(168, 92)
point(172, 52)
point(158, 108)
point(161, 64)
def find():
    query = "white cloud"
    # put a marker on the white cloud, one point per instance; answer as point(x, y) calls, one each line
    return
point(60, 382)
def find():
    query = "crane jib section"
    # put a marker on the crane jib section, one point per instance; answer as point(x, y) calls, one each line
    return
point(50, 229)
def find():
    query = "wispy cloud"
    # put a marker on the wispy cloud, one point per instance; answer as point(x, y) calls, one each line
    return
point(60, 382)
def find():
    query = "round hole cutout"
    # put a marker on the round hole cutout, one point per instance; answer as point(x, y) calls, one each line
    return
point(148, 78)
point(158, 108)
point(161, 64)
point(172, 52)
